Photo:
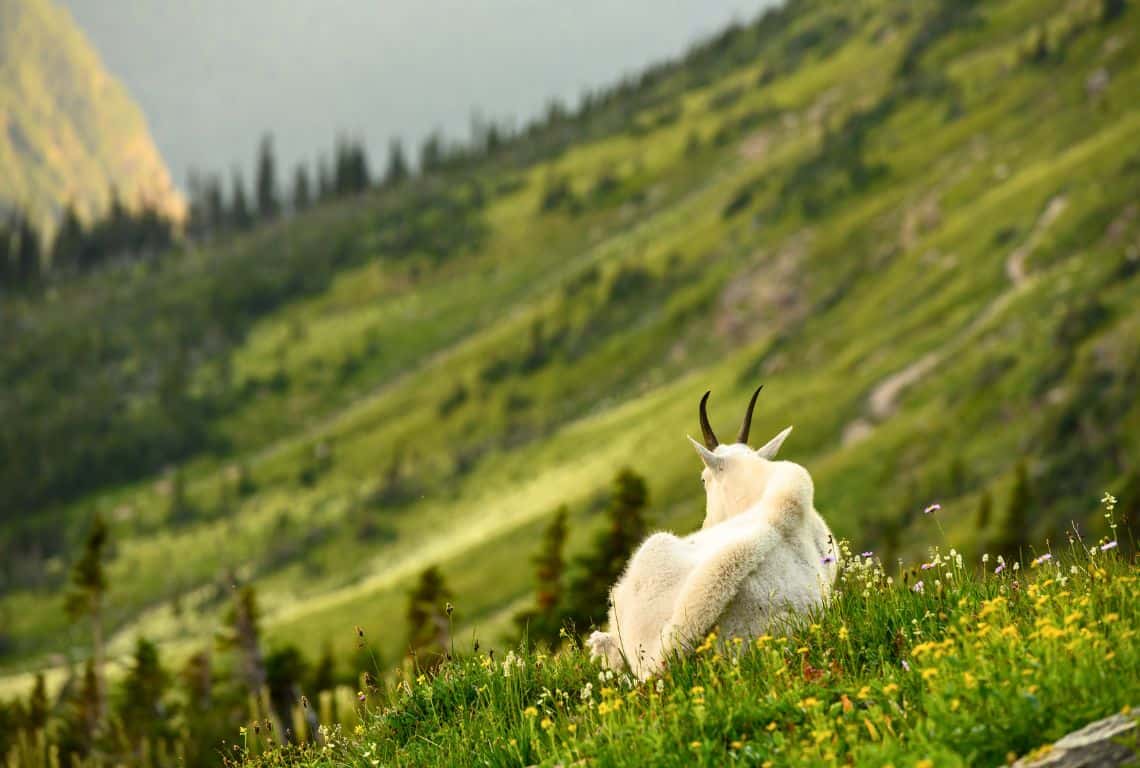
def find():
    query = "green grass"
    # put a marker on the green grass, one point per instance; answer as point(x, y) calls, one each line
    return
point(966, 669)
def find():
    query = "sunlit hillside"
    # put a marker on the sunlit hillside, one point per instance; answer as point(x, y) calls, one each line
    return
point(915, 223)
point(69, 132)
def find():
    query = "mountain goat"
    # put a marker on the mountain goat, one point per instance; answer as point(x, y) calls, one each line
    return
point(762, 555)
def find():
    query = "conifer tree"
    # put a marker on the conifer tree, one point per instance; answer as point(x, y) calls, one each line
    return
point(245, 637)
point(239, 213)
point(429, 631)
point(79, 729)
point(285, 669)
point(985, 511)
point(37, 712)
point(302, 196)
point(7, 257)
point(431, 153)
point(1014, 538)
point(28, 265)
point(268, 204)
point(544, 620)
point(324, 674)
point(142, 708)
point(67, 252)
point(215, 206)
point(85, 600)
point(597, 570)
point(397, 171)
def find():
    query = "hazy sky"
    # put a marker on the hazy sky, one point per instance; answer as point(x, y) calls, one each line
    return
point(213, 75)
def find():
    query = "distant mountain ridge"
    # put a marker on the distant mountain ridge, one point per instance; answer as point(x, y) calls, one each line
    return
point(69, 131)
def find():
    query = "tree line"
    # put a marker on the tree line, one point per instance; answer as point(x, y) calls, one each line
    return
point(238, 694)
point(27, 259)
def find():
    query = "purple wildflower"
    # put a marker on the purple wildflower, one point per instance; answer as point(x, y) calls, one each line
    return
point(932, 509)
point(868, 554)
point(927, 566)
point(1108, 546)
point(1042, 558)
point(918, 586)
point(1000, 568)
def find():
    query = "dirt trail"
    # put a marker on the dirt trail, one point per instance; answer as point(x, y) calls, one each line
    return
point(883, 400)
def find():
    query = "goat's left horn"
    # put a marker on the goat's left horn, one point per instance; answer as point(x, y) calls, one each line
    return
point(710, 437)
point(747, 425)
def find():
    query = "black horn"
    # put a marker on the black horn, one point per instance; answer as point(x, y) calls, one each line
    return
point(747, 425)
point(710, 437)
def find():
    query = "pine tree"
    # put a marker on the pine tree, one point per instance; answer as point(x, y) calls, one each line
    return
point(588, 597)
point(37, 712)
point(268, 205)
point(302, 196)
point(80, 728)
point(985, 511)
point(428, 619)
point(67, 253)
point(215, 206)
point(239, 215)
point(324, 674)
point(397, 171)
point(285, 668)
point(7, 257)
point(28, 265)
point(431, 153)
point(85, 599)
point(142, 708)
point(544, 620)
point(245, 637)
point(1014, 538)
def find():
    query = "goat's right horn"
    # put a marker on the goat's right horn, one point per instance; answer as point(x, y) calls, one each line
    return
point(747, 425)
point(710, 437)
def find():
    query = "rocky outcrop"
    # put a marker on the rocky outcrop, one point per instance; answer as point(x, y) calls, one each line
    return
point(1109, 742)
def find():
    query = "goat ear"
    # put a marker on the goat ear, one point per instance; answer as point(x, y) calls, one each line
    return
point(710, 459)
point(772, 447)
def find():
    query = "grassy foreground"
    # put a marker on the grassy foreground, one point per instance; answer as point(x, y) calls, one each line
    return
point(948, 663)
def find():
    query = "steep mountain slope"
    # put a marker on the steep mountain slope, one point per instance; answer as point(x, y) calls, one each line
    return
point(915, 223)
point(68, 129)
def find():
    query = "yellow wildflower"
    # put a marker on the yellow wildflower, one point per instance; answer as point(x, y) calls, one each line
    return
point(890, 688)
point(546, 724)
point(770, 726)
point(531, 712)
point(970, 681)
point(864, 692)
point(695, 745)
point(929, 672)
point(843, 632)
point(737, 744)
point(924, 763)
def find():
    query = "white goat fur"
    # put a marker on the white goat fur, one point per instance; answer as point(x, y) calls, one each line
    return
point(762, 555)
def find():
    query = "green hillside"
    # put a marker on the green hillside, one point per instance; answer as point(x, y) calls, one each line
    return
point(915, 223)
point(68, 129)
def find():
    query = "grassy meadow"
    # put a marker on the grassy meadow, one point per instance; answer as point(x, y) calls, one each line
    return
point(955, 663)
point(915, 223)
